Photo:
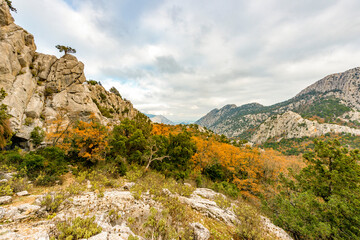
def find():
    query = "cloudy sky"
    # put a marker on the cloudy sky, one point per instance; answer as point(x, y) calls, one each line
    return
point(182, 58)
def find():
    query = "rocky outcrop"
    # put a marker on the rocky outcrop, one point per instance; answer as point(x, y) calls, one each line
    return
point(5, 200)
point(5, 16)
point(200, 232)
point(292, 125)
point(42, 88)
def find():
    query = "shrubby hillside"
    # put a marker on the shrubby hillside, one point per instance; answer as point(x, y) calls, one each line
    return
point(79, 162)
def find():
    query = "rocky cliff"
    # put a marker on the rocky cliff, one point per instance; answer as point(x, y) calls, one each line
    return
point(333, 99)
point(343, 85)
point(292, 125)
point(42, 88)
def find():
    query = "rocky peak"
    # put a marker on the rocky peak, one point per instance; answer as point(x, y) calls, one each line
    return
point(228, 106)
point(343, 85)
point(5, 16)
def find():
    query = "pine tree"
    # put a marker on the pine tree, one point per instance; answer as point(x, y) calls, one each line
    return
point(323, 200)
point(65, 49)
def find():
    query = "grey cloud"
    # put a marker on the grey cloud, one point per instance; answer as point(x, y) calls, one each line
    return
point(123, 73)
point(167, 64)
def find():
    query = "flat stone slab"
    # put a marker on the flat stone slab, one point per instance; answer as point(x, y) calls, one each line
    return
point(23, 193)
point(5, 200)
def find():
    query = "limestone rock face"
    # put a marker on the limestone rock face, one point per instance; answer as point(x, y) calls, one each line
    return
point(42, 88)
point(5, 16)
point(343, 85)
point(292, 125)
point(65, 72)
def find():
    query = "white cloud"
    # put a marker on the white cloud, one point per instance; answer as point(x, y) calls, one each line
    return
point(182, 58)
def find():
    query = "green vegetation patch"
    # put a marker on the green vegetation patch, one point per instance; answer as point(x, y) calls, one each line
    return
point(296, 146)
point(328, 109)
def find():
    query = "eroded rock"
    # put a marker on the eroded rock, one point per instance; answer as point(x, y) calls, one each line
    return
point(5, 200)
point(200, 232)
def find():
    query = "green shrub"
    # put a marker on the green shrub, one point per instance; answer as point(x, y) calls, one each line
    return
point(37, 135)
point(115, 91)
point(227, 188)
point(251, 225)
point(28, 121)
point(102, 96)
point(52, 202)
point(45, 166)
point(92, 82)
point(14, 158)
point(78, 228)
point(6, 190)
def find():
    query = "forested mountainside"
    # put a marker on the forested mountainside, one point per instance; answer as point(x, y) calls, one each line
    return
point(333, 100)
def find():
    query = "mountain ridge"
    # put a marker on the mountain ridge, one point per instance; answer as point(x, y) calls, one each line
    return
point(339, 89)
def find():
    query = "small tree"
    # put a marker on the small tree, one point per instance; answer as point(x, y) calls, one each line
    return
point(9, 3)
point(115, 91)
point(65, 49)
point(152, 150)
point(87, 141)
point(37, 135)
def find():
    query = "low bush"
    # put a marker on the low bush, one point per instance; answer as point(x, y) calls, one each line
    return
point(92, 82)
point(44, 166)
point(37, 136)
point(251, 226)
point(78, 228)
point(52, 202)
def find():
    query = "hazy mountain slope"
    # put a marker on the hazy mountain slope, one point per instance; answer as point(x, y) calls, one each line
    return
point(160, 119)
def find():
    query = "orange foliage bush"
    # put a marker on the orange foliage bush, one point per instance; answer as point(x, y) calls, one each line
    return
point(252, 168)
point(163, 129)
point(87, 139)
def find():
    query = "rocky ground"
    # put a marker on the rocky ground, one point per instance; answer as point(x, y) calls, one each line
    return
point(27, 217)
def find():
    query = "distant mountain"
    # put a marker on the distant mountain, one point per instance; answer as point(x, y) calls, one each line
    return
point(186, 122)
point(160, 119)
point(334, 99)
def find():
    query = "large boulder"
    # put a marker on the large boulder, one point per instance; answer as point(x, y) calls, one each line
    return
point(200, 232)
point(65, 72)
